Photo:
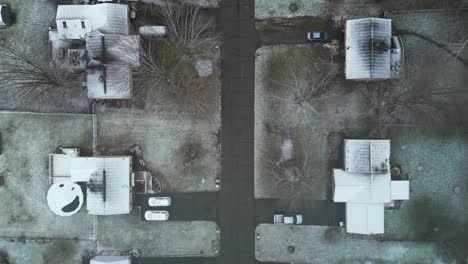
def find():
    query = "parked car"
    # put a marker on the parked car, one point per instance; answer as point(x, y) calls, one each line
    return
point(318, 37)
point(156, 215)
point(159, 201)
point(288, 219)
point(5, 16)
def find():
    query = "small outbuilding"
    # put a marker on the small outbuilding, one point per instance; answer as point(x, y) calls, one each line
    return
point(368, 47)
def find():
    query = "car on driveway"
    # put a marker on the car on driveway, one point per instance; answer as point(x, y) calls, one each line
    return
point(5, 16)
point(159, 201)
point(157, 215)
point(288, 219)
point(318, 37)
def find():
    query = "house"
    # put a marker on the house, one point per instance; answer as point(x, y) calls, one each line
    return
point(96, 40)
point(368, 49)
point(108, 179)
point(365, 185)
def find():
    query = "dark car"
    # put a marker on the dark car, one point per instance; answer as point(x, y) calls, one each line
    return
point(318, 36)
point(5, 16)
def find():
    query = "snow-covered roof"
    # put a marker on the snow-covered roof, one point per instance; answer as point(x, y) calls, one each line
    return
point(59, 164)
point(75, 21)
point(361, 188)
point(365, 218)
point(400, 190)
point(114, 48)
point(108, 183)
point(367, 156)
point(115, 82)
point(111, 259)
point(365, 185)
point(368, 48)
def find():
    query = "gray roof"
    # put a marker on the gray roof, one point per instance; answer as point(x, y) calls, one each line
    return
point(367, 155)
point(114, 48)
point(368, 48)
point(113, 82)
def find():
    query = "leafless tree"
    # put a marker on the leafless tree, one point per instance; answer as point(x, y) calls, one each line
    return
point(296, 179)
point(59, 251)
point(189, 32)
point(410, 108)
point(302, 86)
point(162, 76)
point(25, 79)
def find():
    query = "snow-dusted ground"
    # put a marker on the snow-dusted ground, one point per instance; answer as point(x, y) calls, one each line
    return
point(343, 108)
point(311, 246)
point(202, 3)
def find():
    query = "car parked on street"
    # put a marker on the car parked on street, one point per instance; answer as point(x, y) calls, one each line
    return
point(5, 16)
point(159, 201)
point(288, 219)
point(318, 37)
point(157, 215)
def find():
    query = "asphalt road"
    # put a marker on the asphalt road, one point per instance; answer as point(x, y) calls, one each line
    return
point(236, 204)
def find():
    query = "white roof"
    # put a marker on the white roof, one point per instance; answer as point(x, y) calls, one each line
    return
point(113, 83)
point(367, 156)
point(118, 48)
point(75, 21)
point(365, 185)
point(361, 188)
point(368, 48)
point(108, 183)
point(111, 259)
point(400, 190)
point(364, 218)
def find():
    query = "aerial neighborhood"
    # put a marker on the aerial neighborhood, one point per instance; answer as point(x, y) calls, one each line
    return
point(233, 132)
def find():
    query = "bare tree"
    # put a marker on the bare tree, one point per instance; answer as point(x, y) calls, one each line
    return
point(25, 79)
point(167, 65)
point(302, 86)
point(410, 108)
point(176, 81)
point(293, 175)
point(190, 32)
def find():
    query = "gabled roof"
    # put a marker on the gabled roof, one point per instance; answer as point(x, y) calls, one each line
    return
point(108, 183)
point(111, 48)
point(113, 82)
point(368, 48)
point(364, 218)
point(367, 156)
point(75, 21)
point(361, 188)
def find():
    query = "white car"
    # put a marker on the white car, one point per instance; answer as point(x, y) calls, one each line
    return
point(287, 219)
point(159, 201)
point(156, 215)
